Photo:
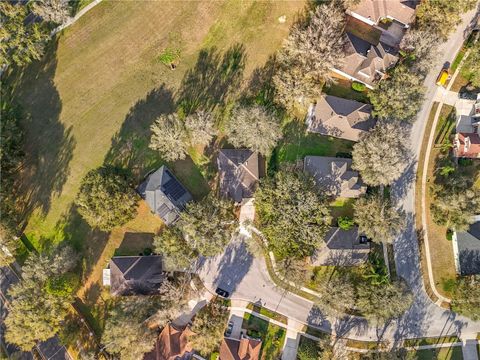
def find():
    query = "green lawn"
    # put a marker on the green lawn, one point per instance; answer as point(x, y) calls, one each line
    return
point(272, 336)
point(268, 313)
point(431, 341)
point(453, 353)
point(344, 90)
point(297, 143)
point(342, 207)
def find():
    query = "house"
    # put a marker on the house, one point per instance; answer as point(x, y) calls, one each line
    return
point(334, 176)
point(165, 195)
point(342, 118)
point(244, 348)
point(366, 62)
point(239, 172)
point(342, 248)
point(467, 137)
point(134, 275)
point(172, 344)
point(466, 249)
point(374, 12)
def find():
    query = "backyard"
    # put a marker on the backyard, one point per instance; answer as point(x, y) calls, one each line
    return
point(272, 336)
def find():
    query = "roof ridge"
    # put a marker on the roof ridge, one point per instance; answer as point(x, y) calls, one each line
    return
point(131, 266)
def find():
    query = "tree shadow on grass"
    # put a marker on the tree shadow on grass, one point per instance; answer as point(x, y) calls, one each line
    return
point(49, 144)
point(213, 78)
point(129, 148)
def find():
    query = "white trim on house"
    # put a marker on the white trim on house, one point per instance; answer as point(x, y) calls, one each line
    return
point(455, 252)
point(349, 77)
point(361, 18)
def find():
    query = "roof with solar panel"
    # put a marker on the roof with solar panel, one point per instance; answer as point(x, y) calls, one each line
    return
point(165, 195)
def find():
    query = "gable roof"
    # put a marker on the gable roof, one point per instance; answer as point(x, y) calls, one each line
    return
point(467, 145)
point(375, 10)
point(172, 344)
point(136, 274)
point(367, 62)
point(342, 118)
point(468, 244)
point(165, 195)
point(341, 248)
point(239, 171)
point(243, 349)
point(334, 176)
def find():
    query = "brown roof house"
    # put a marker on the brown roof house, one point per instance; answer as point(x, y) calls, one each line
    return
point(172, 344)
point(334, 176)
point(245, 348)
point(366, 62)
point(239, 172)
point(373, 12)
point(342, 248)
point(342, 118)
point(139, 275)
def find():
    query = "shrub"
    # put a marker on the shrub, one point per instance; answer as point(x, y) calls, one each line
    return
point(449, 235)
point(465, 162)
point(168, 56)
point(358, 86)
point(345, 223)
point(62, 285)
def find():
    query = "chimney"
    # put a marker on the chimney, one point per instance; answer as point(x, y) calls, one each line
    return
point(467, 144)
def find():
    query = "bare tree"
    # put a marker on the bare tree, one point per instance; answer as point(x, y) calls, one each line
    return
point(421, 45)
point(56, 11)
point(169, 137)
point(200, 127)
point(253, 127)
point(382, 154)
point(378, 219)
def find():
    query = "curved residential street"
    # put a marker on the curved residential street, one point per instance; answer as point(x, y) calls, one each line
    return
point(247, 278)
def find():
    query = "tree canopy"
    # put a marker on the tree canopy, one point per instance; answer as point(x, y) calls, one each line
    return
point(209, 325)
point(169, 137)
point(253, 127)
point(471, 66)
point(106, 199)
point(400, 96)
point(293, 216)
point(466, 297)
point(208, 225)
point(30, 320)
point(378, 219)
point(55, 11)
point(200, 127)
point(382, 154)
point(175, 249)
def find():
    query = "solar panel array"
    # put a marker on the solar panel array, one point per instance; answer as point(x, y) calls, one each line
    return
point(174, 189)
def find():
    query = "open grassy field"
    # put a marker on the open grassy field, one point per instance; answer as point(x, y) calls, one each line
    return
point(92, 99)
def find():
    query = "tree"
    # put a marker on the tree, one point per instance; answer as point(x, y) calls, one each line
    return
point(471, 66)
point(200, 126)
point(293, 271)
point(293, 216)
point(345, 223)
point(455, 202)
point(384, 302)
point(126, 333)
point(421, 46)
point(317, 45)
point(171, 243)
point(441, 17)
point(253, 127)
point(308, 349)
point(382, 154)
point(30, 320)
point(9, 245)
point(378, 219)
point(21, 41)
point(169, 137)
point(466, 297)
point(55, 11)
point(106, 199)
point(400, 96)
point(208, 225)
point(337, 295)
point(209, 325)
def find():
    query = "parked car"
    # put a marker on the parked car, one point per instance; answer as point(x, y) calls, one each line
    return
point(229, 329)
point(222, 293)
point(443, 77)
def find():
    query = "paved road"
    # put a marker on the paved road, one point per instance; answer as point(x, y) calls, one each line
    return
point(48, 350)
point(247, 278)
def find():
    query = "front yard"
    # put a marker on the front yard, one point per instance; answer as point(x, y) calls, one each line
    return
point(272, 336)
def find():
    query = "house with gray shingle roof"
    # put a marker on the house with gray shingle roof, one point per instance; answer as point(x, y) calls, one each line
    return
point(334, 176)
point(239, 171)
point(341, 118)
point(139, 275)
point(165, 195)
point(466, 249)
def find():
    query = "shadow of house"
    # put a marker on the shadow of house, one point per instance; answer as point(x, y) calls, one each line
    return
point(213, 78)
point(129, 149)
point(165, 195)
point(49, 144)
